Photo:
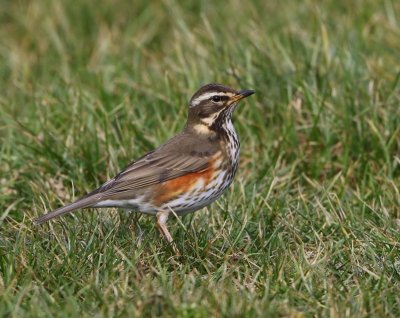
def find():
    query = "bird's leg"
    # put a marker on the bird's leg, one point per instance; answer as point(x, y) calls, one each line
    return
point(162, 218)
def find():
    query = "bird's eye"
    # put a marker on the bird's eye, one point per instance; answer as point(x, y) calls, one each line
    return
point(216, 98)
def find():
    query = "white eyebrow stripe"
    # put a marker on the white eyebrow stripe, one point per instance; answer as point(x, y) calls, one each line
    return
point(205, 96)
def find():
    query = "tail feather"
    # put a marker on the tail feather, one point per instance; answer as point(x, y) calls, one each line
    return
point(85, 202)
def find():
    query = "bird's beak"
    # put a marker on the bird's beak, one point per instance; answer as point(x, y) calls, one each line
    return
point(242, 94)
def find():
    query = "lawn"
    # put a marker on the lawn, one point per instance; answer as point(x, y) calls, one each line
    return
point(311, 225)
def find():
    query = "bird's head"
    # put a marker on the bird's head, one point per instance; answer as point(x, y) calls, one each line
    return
point(211, 107)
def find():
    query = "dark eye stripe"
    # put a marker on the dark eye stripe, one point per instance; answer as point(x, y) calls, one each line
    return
point(219, 98)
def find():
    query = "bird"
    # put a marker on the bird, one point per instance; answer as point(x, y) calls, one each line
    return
point(185, 174)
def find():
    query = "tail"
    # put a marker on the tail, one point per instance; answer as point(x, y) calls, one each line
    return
point(85, 202)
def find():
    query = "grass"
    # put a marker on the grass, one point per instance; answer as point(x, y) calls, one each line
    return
point(310, 226)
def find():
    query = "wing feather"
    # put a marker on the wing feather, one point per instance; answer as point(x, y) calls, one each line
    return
point(152, 169)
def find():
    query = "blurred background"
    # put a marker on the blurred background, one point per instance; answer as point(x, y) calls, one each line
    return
point(311, 225)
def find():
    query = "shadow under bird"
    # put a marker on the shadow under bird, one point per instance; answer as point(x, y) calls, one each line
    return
point(185, 174)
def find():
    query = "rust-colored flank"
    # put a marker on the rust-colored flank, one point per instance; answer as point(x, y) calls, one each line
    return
point(171, 189)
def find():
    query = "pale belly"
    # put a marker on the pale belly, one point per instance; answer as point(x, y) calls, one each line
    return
point(199, 196)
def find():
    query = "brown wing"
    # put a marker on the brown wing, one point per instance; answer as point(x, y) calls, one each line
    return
point(176, 158)
point(182, 155)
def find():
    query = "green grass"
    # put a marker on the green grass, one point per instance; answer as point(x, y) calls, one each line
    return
point(311, 225)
